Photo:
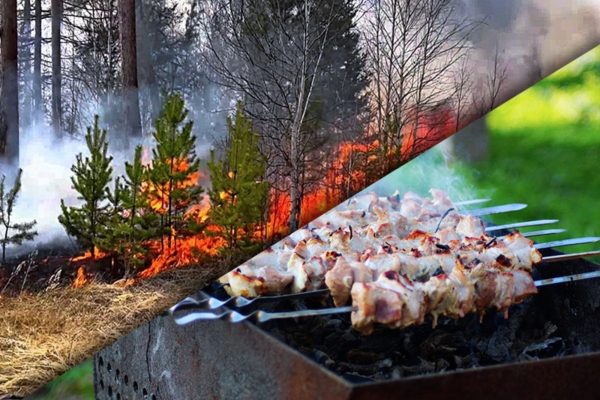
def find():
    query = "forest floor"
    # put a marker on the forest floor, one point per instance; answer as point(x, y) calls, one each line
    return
point(43, 334)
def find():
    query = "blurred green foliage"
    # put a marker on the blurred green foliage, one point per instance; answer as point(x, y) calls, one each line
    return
point(545, 151)
point(75, 384)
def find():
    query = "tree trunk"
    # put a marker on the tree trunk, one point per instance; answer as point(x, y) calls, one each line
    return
point(127, 30)
point(25, 37)
point(9, 100)
point(295, 192)
point(37, 62)
point(147, 75)
point(57, 15)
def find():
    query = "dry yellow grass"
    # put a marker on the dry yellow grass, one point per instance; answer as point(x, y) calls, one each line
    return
point(43, 335)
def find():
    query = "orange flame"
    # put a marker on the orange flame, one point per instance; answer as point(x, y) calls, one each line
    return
point(344, 176)
point(88, 255)
point(185, 252)
point(81, 279)
point(159, 193)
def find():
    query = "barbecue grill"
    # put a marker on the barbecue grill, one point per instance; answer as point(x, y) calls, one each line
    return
point(548, 348)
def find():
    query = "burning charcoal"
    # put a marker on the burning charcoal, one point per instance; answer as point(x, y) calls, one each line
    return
point(496, 350)
point(423, 367)
point(333, 323)
point(550, 328)
point(459, 361)
point(363, 370)
point(540, 328)
point(356, 378)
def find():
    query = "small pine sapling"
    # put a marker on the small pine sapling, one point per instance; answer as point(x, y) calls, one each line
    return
point(238, 192)
point(92, 175)
point(12, 232)
point(174, 172)
point(133, 221)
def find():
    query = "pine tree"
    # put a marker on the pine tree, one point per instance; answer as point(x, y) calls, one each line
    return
point(174, 172)
point(238, 192)
point(132, 221)
point(92, 176)
point(13, 233)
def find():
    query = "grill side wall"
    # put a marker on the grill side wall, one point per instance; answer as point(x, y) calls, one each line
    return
point(212, 360)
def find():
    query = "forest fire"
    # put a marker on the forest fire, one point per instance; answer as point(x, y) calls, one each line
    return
point(340, 181)
point(166, 220)
point(184, 252)
point(158, 194)
point(431, 129)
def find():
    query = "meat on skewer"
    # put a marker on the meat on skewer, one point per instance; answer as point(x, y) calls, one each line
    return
point(371, 234)
point(396, 301)
point(512, 252)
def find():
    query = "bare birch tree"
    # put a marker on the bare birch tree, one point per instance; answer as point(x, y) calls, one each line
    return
point(37, 61)
point(490, 86)
point(274, 55)
point(25, 67)
point(413, 48)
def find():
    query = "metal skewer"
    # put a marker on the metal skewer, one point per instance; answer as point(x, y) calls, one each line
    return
point(471, 202)
point(495, 210)
point(568, 278)
point(567, 242)
point(256, 316)
point(521, 224)
point(260, 316)
point(241, 302)
point(572, 256)
point(542, 232)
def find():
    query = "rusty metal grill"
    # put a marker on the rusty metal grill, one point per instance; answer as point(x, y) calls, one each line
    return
point(219, 360)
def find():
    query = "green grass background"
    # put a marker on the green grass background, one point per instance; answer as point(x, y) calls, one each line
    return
point(75, 384)
point(544, 150)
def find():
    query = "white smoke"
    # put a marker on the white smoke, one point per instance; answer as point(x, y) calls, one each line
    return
point(432, 169)
point(46, 162)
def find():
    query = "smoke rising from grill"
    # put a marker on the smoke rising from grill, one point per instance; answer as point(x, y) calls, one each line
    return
point(433, 169)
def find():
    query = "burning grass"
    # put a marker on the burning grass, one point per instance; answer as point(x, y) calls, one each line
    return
point(43, 335)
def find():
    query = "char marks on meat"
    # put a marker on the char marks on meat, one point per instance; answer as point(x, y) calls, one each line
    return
point(399, 259)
